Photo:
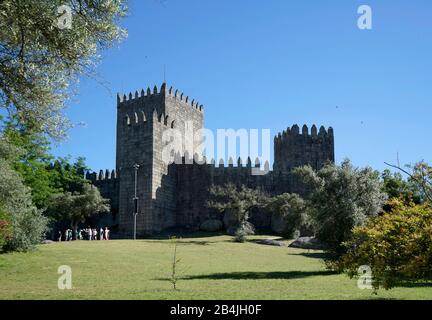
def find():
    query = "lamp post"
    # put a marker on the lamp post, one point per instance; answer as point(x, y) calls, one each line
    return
point(135, 199)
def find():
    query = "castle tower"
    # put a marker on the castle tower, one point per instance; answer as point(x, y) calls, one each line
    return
point(293, 149)
point(142, 121)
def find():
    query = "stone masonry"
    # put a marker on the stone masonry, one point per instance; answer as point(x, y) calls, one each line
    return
point(173, 194)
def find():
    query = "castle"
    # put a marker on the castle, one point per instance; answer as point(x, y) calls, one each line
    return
point(175, 194)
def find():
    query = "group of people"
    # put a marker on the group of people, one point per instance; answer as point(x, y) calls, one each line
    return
point(85, 234)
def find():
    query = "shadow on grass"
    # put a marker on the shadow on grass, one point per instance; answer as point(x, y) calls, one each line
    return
point(183, 242)
point(259, 275)
point(260, 241)
point(165, 235)
point(420, 284)
point(314, 255)
point(375, 298)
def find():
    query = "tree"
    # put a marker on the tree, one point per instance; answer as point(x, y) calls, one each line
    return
point(397, 246)
point(67, 176)
point(421, 177)
point(395, 186)
point(40, 172)
point(44, 46)
point(237, 200)
point(32, 163)
point(77, 206)
point(28, 225)
point(292, 208)
point(340, 198)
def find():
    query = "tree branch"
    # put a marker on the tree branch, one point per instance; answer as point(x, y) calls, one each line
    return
point(423, 182)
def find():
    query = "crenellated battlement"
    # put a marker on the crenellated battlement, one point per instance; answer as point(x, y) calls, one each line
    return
point(294, 148)
point(143, 94)
point(294, 131)
point(131, 98)
point(181, 97)
point(173, 192)
point(239, 164)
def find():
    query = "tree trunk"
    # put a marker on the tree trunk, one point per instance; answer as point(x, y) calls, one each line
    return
point(74, 226)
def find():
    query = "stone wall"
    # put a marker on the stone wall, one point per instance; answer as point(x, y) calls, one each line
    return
point(175, 194)
point(142, 119)
point(293, 149)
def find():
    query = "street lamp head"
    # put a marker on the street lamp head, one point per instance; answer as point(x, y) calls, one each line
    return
point(136, 166)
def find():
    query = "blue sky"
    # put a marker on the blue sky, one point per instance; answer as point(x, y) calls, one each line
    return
point(271, 64)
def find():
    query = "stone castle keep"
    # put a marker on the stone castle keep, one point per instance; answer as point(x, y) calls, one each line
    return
point(174, 195)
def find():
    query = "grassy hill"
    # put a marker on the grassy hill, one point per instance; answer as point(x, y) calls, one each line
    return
point(210, 268)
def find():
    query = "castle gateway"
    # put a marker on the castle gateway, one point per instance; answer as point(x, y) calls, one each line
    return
point(175, 194)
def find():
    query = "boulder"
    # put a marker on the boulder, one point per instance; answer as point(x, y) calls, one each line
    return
point(307, 243)
point(211, 225)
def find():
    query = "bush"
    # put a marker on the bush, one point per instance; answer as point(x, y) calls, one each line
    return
point(5, 228)
point(340, 198)
point(240, 235)
point(397, 246)
point(27, 224)
point(291, 209)
point(235, 202)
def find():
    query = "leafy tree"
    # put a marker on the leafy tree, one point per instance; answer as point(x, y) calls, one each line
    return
point(28, 225)
point(421, 177)
point(40, 56)
point(395, 186)
point(33, 162)
point(77, 206)
point(340, 198)
point(292, 208)
point(237, 200)
point(397, 246)
point(66, 176)
point(40, 172)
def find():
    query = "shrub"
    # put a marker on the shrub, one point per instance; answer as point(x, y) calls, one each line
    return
point(240, 235)
point(292, 209)
point(397, 246)
point(340, 198)
point(235, 200)
point(27, 224)
point(5, 228)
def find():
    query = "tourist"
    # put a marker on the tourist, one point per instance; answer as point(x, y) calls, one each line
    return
point(89, 233)
point(106, 233)
point(101, 234)
point(94, 234)
point(59, 236)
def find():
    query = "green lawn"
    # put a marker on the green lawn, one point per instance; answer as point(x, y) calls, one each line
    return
point(211, 268)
